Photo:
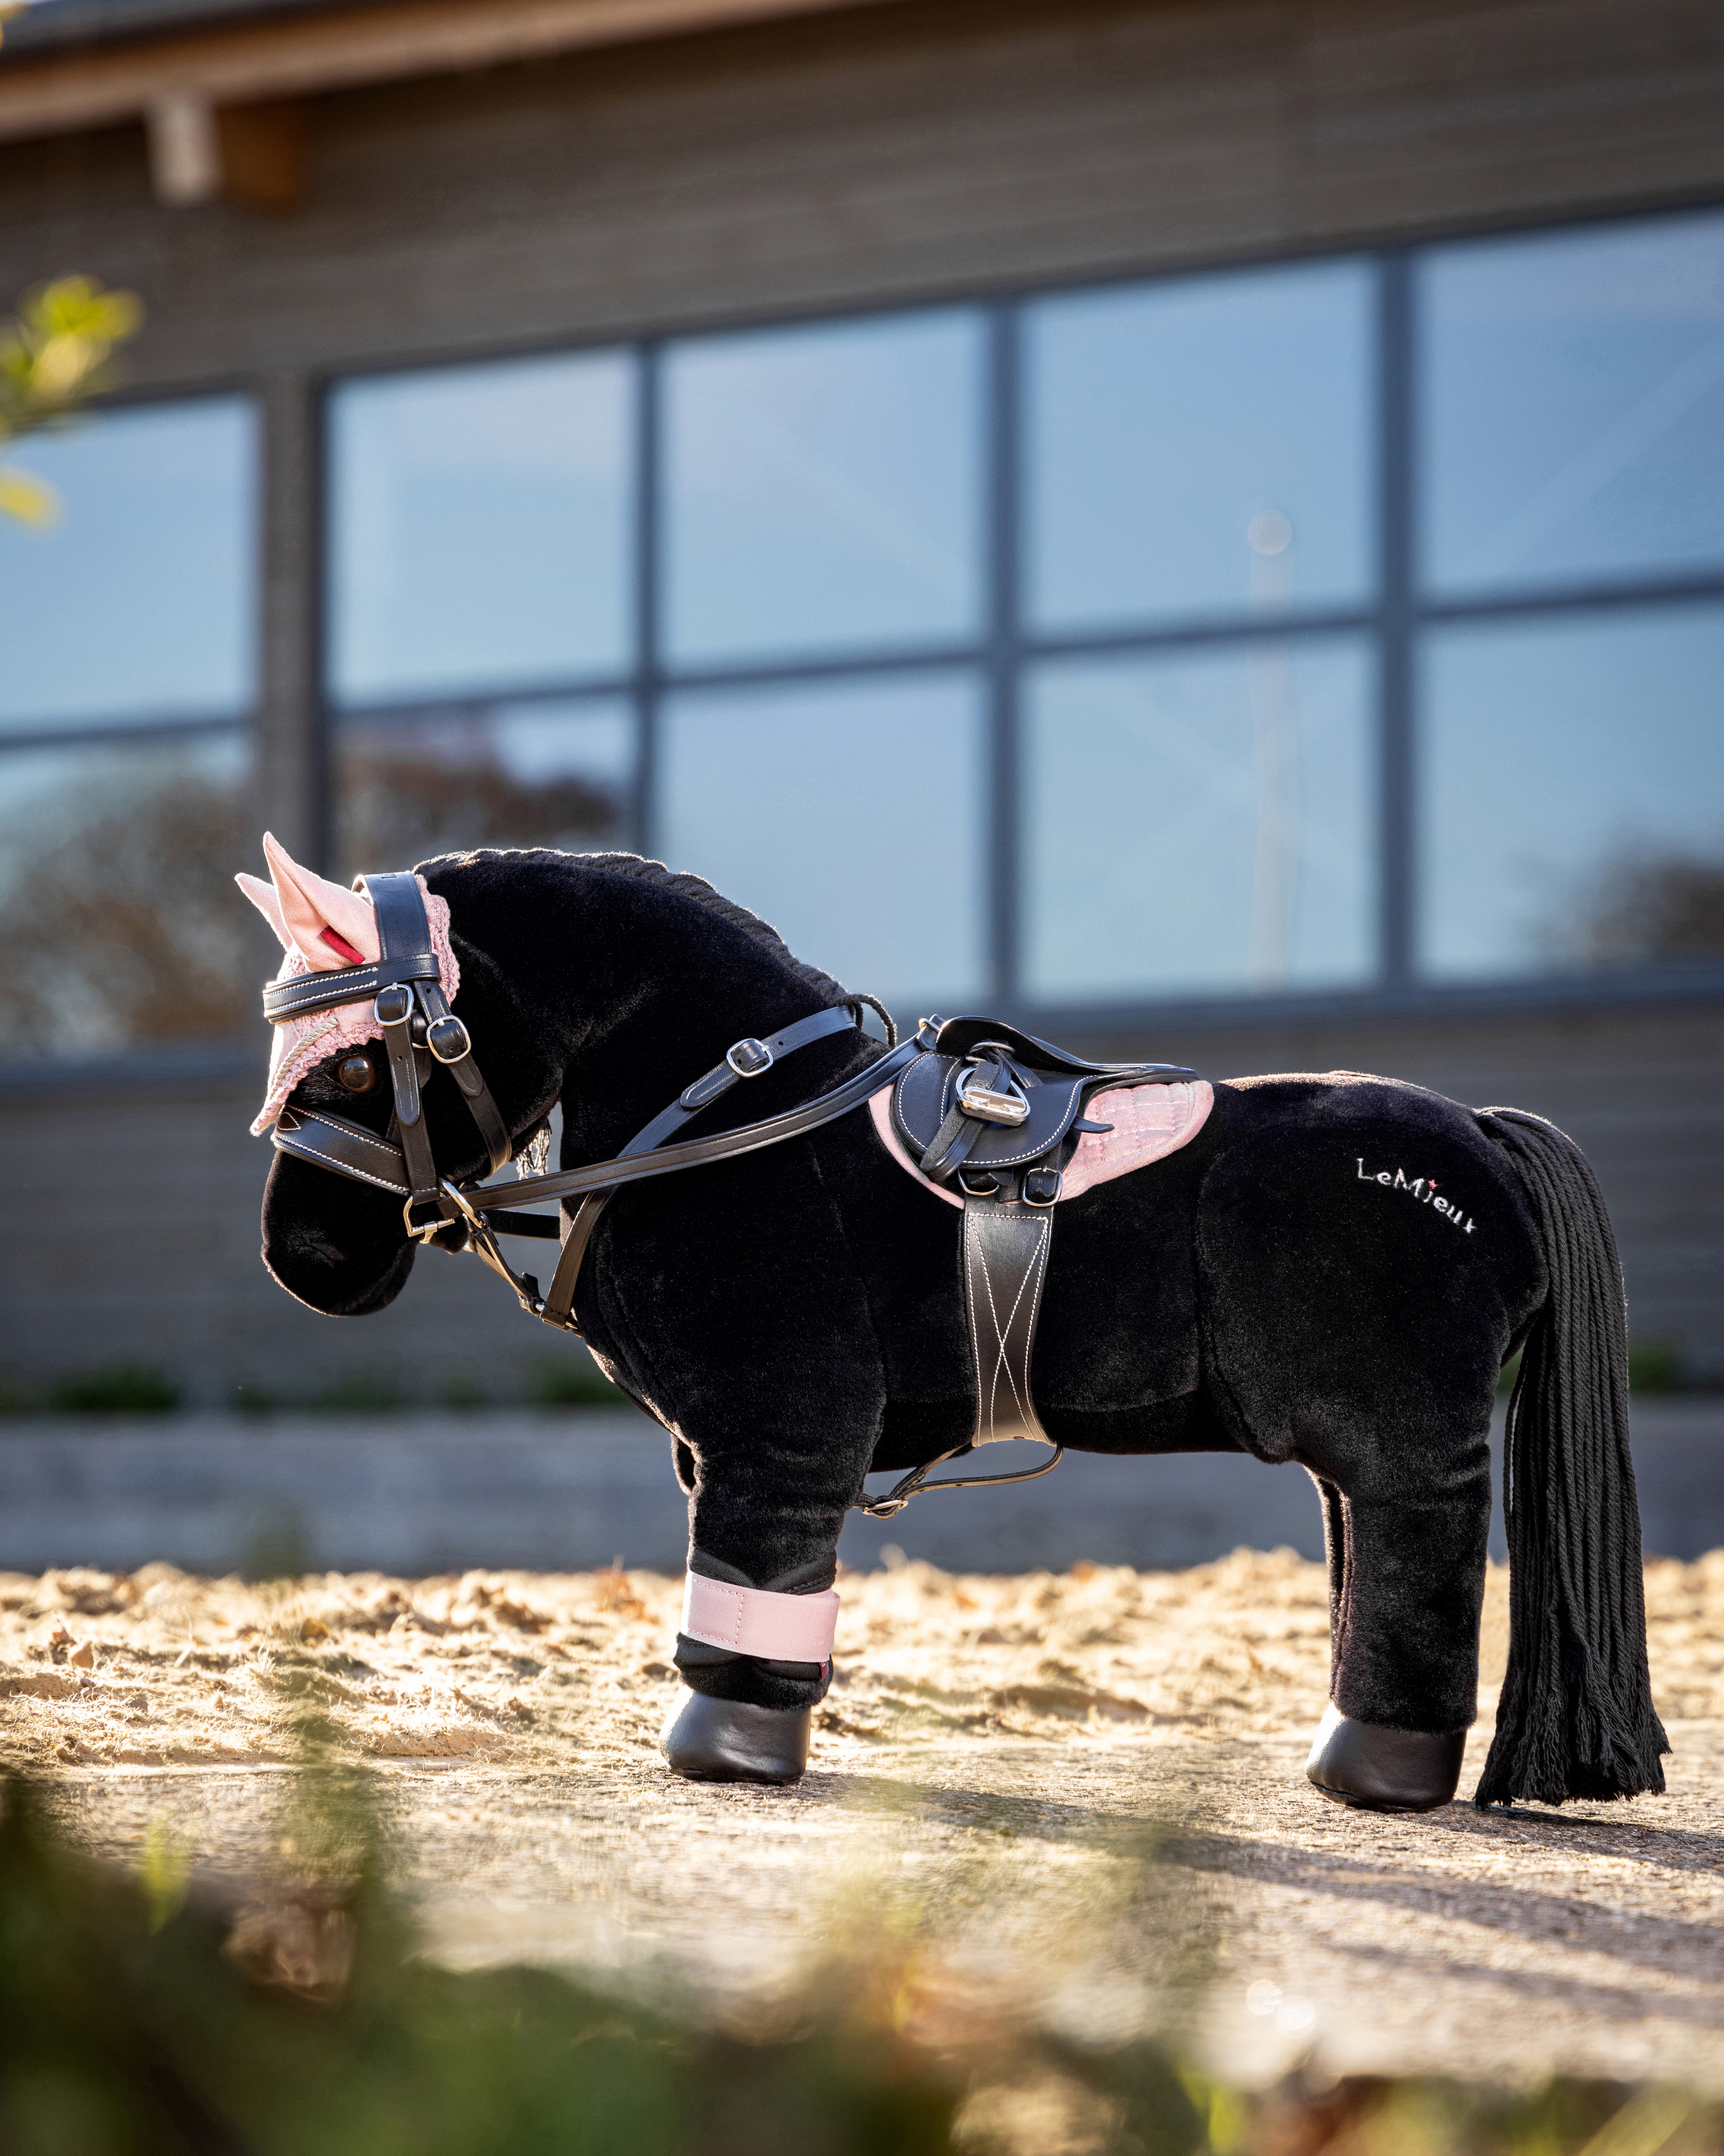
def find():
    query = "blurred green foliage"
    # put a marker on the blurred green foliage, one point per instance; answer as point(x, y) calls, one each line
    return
point(115, 1388)
point(573, 1381)
point(138, 2019)
point(361, 1392)
point(140, 2014)
point(56, 353)
point(1657, 1364)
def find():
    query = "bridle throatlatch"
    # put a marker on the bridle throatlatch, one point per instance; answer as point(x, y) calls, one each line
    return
point(990, 1113)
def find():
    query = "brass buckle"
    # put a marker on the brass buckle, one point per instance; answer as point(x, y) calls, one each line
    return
point(483, 1242)
point(422, 1231)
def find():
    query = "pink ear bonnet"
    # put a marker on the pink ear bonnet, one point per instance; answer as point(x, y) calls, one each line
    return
point(322, 927)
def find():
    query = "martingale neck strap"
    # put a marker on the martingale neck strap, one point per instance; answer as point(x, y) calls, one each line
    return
point(745, 1059)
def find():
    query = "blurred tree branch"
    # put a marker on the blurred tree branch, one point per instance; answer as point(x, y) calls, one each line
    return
point(56, 353)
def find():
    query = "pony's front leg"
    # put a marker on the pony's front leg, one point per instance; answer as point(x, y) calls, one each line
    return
point(755, 1645)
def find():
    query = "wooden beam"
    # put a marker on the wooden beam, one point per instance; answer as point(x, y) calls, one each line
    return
point(264, 153)
point(275, 59)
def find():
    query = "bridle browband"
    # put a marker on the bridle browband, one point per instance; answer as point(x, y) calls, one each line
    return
point(420, 1032)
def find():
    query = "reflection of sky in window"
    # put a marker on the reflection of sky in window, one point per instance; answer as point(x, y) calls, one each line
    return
point(43, 790)
point(822, 488)
point(139, 603)
point(1163, 419)
point(1200, 821)
point(594, 742)
point(145, 833)
point(558, 773)
point(792, 800)
point(1574, 404)
point(1554, 756)
point(479, 528)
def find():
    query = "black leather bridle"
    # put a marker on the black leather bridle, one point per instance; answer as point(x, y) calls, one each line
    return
point(420, 1032)
point(1006, 1217)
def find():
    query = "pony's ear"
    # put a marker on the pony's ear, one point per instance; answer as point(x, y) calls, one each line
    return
point(263, 896)
point(329, 927)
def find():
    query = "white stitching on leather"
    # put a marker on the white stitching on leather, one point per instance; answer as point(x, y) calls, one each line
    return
point(1033, 1278)
point(365, 1138)
point(318, 1160)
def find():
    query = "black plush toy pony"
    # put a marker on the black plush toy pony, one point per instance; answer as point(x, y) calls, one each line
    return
point(1330, 1270)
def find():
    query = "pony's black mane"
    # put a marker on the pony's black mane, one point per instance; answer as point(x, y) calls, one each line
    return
point(685, 885)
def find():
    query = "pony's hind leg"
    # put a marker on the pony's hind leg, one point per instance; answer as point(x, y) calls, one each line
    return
point(1406, 1577)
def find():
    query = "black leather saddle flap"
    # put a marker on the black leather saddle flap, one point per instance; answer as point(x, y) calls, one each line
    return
point(922, 1099)
point(1055, 1084)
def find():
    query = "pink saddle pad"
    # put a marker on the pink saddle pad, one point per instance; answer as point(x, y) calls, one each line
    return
point(1149, 1122)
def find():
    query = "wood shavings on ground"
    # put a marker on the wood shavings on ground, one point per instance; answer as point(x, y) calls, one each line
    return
point(998, 1741)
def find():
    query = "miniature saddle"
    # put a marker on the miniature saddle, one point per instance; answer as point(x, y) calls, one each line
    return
point(993, 1115)
point(997, 1113)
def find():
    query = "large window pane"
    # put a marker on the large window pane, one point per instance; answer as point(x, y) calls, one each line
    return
point(1199, 447)
point(822, 488)
point(118, 923)
point(1572, 793)
point(1572, 405)
point(136, 603)
point(481, 526)
point(538, 774)
point(1199, 822)
point(849, 816)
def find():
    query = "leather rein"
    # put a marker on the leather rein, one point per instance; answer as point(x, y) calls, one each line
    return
point(1006, 1218)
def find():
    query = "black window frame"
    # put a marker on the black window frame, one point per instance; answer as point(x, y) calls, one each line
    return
point(1392, 625)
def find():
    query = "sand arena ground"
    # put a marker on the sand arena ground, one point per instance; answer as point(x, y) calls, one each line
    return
point(994, 1747)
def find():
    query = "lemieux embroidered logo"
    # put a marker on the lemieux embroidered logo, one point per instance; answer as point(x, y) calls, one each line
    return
point(1423, 1188)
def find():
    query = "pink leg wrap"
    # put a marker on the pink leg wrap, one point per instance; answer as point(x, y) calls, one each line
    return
point(778, 1628)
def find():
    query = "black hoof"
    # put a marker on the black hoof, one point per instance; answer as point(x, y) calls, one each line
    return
point(726, 1740)
point(1383, 1770)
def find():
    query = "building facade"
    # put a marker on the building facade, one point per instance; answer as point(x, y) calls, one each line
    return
point(1217, 510)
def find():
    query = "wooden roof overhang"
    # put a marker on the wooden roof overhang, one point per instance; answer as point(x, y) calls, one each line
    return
point(192, 86)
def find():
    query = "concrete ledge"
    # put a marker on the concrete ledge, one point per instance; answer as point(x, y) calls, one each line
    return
point(562, 1491)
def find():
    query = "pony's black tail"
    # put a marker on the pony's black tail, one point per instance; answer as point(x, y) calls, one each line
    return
point(1576, 1717)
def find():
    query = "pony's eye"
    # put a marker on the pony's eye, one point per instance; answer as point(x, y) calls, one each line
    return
point(357, 1073)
